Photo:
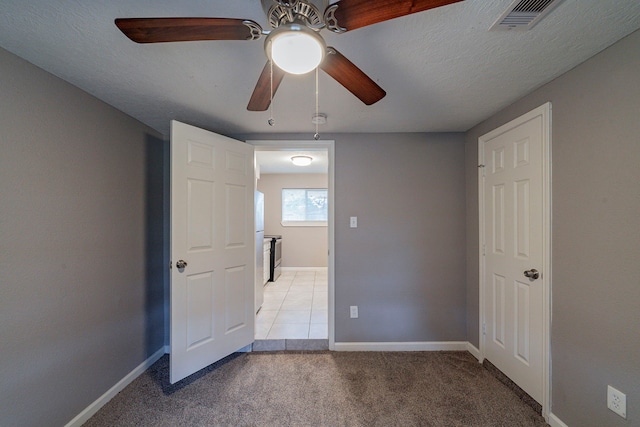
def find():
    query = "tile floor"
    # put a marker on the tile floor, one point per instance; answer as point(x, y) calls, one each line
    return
point(295, 307)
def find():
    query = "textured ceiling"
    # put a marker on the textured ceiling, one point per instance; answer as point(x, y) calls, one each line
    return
point(442, 69)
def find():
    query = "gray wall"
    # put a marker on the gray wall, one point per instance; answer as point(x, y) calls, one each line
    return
point(81, 241)
point(404, 266)
point(595, 334)
point(302, 246)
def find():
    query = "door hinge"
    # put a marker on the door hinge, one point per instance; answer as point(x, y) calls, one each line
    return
point(481, 167)
point(484, 250)
point(484, 328)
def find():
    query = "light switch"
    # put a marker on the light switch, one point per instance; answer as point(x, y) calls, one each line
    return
point(353, 222)
point(353, 311)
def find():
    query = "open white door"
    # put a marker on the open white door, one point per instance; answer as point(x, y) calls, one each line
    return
point(212, 248)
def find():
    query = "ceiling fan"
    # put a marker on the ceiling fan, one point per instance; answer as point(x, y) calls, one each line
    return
point(295, 35)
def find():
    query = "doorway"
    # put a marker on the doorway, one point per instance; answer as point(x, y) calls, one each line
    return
point(298, 304)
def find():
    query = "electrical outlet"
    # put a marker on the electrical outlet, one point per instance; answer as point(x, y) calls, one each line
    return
point(353, 222)
point(617, 401)
point(353, 311)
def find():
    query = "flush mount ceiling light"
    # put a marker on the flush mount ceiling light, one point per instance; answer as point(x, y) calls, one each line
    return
point(295, 48)
point(301, 160)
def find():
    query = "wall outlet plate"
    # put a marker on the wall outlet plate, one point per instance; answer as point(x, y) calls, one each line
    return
point(617, 401)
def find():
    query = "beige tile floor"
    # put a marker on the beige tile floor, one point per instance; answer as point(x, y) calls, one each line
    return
point(295, 307)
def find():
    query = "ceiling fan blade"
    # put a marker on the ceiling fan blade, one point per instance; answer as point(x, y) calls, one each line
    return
point(352, 14)
point(351, 77)
point(159, 30)
point(261, 99)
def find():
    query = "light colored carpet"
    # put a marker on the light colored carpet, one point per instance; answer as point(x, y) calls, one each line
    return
point(322, 389)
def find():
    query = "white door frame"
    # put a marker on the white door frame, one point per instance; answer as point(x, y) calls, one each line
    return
point(545, 112)
point(329, 145)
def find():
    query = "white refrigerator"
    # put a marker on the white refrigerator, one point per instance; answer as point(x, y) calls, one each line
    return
point(259, 279)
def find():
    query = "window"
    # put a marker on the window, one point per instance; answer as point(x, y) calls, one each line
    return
point(304, 207)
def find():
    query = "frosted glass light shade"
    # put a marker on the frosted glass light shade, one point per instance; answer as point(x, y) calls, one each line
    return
point(301, 160)
point(295, 48)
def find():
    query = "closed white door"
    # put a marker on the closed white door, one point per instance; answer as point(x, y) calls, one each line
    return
point(212, 248)
point(514, 242)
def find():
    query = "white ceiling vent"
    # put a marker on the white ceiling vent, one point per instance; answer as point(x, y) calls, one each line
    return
point(524, 14)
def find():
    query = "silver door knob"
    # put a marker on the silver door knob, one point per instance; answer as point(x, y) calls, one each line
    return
point(532, 274)
point(181, 264)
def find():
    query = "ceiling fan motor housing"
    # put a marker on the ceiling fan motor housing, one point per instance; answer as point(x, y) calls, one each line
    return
point(310, 12)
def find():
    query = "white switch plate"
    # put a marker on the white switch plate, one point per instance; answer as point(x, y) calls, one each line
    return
point(617, 401)
point(353, 311)
point(353, 222)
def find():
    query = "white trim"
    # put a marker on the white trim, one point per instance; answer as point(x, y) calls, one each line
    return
point(547, 296)
point(481, 249)
point(402, 346)
point(331, 262)
point(545, 112)
point(319, 269)
point(475, 352)
point(167, 349)
point(303, 223)
point(555, 421)
point(330, 146)
point(90, 410)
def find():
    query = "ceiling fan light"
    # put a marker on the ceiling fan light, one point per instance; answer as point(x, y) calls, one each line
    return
point(301, 160)
point(295, 48)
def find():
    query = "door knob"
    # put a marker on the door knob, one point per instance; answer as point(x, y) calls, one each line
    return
point(181, 264)
point(532, 274)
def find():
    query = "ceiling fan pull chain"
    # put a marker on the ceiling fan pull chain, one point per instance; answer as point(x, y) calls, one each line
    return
point(271, 121)
point(317, 135)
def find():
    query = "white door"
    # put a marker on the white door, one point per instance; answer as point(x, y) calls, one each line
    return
point(515, 205)
point(212, 233)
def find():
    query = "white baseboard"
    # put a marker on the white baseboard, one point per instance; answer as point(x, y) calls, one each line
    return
point(555, 421)
point(474, 351)
point(90, 410)
point(402, 346)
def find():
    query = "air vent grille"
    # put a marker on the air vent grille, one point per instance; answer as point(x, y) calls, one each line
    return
point(537, 6)
point(524, 14)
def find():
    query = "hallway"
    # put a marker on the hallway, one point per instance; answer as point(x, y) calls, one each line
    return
point(295, 306)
